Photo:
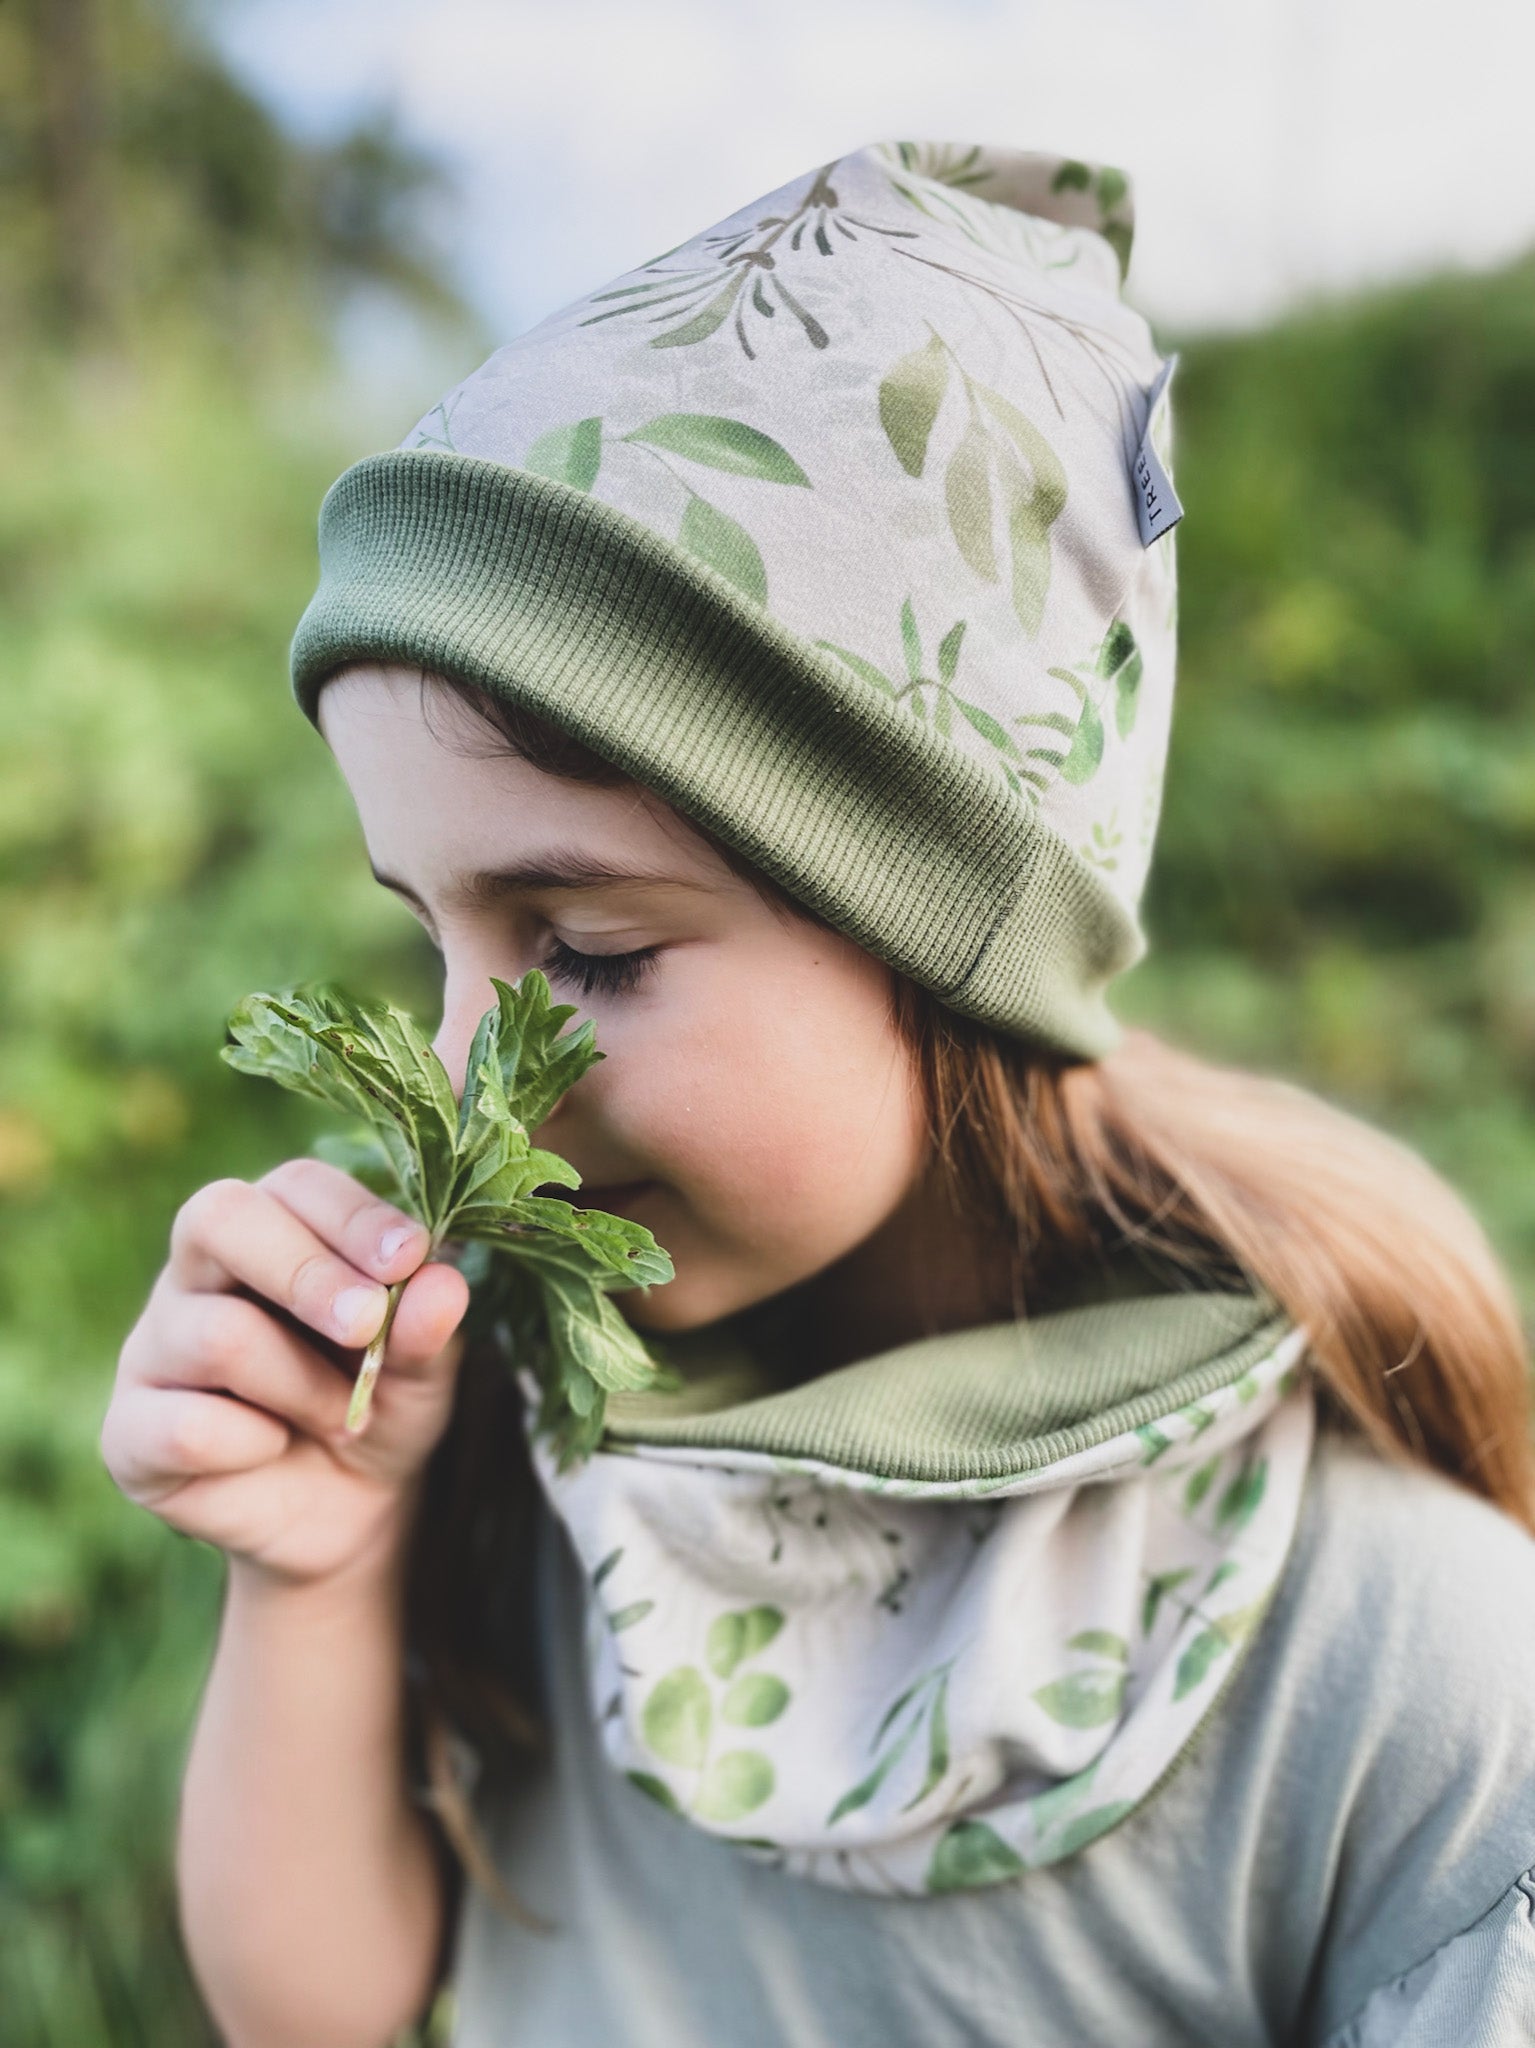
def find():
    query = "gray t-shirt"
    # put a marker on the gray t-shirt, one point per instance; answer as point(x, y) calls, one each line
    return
point(1342, 1859)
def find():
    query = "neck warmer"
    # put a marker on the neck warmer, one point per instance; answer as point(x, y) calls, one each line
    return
point(846, 526)
point(949, 1613)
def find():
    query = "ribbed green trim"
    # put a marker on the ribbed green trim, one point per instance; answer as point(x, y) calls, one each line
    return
point(968, 1404)
point(621, 637)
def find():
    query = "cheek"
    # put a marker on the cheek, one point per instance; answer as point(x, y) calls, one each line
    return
point(794, 1132)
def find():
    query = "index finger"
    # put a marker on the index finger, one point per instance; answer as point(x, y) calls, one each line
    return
point(375, 1235)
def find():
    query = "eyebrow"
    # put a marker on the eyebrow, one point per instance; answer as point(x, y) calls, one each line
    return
point(551, 871)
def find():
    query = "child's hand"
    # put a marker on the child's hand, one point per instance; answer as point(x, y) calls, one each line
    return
point(272, 1291)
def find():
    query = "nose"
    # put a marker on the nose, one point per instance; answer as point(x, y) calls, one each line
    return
point(461, 1014)
point(455, 1035)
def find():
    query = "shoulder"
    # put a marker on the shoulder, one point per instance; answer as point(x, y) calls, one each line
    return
point(1400, 1517)
point(1396, 1677)
point(1413, 1600)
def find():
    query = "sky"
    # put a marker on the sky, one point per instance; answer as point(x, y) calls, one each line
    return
point(1279, 150)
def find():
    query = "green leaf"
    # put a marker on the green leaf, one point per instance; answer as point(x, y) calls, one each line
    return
point(1196, 1660)
point(734, 1785)
point(538, 1066)
point(1051, 1808)
point(861, 668)
point(967, 497)
point(1087, 1827)
point(570, 454)
point(1127, 695)
point(1031, 570)
point(865, 1789)
point(1044, 498)
point(1163, 1582)
point(937, 1744)
point(1101, 1642)
point(911, 645)
point(740, 1634)
point(1111, 186)
point(1237, 1505)
point(725, 546)
point(988, 728)
point(909, 398)
point(368, 1160)
point(948, 651)
point(585, 1324)
point(721, 443)
point(1083, 1699)
point(755, 1699)
point(1117, 647)
point(626, 1617)
point(1086, 750)
point(606, 1566)
point(969, 1854)
point(702, 324)
point(1199, 1482)
point(655, 1789)
point(676, 1716)
point(1156, 1441)
point(467, 1169)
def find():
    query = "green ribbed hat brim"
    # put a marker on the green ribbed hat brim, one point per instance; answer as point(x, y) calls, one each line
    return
point(583, 615)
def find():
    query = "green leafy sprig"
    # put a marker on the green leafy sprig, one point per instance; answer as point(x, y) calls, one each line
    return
point(467, 1170)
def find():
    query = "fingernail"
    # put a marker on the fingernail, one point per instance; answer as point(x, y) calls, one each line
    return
point(358, 1311)
point(396, 1240)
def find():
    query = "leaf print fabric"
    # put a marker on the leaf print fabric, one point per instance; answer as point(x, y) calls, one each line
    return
point(895, 405)
point(920, 1686)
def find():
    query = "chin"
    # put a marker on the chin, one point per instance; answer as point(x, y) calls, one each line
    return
point(674, 1306)
point(692, 1299)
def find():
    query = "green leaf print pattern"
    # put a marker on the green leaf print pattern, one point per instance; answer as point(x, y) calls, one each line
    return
point(678, 1719)
point(721, 443)
point(1117, 658)
point(572, 454)
point(1109, 187)
point(969, 1854)
point(1102, 850)
point(947, 700)
point(925, 1701)
point(1000, 455)
point(1088, 1697)
point(972, 1853)
point(636, 1610)
point(1233, 1507)
point(743, 273)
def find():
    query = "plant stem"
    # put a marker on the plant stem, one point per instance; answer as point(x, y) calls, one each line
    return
point(373, 1358)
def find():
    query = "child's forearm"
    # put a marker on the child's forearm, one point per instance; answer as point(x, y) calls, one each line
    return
point(312, 1900)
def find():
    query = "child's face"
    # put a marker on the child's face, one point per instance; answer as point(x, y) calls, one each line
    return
point(753, 1077)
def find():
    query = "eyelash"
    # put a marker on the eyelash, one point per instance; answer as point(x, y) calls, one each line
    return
point(613, 973)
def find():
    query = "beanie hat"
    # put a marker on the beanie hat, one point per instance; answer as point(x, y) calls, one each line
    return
point(845, 527)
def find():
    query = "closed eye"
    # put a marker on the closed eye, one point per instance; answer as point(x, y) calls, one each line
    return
point(613, 973)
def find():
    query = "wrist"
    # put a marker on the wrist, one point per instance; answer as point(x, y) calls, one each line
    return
point(374, 1576)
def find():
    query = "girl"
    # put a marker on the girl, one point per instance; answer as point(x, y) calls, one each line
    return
point(1079, 1591)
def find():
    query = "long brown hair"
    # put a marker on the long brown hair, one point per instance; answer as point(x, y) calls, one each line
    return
point(1216, 1173)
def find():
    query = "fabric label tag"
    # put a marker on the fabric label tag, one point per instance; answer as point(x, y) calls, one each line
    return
point(1157, 505)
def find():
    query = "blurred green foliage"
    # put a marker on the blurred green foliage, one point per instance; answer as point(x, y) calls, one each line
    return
point(1343, 889)
point(1344, 882)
